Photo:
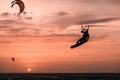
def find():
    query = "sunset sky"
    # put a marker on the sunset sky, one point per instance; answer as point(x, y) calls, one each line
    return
point(40, 38)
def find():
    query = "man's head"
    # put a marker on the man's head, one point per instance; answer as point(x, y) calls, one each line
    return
point(84, 28)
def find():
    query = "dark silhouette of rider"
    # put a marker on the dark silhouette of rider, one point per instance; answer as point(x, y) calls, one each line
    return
point(85, 36)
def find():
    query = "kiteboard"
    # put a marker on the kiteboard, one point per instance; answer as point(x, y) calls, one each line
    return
point(76, 45)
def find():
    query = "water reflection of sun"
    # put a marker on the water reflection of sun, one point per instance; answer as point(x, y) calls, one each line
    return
point(29, 69)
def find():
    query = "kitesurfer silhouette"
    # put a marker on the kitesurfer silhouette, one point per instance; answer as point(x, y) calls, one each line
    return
point(13, 59)
point(84, 38)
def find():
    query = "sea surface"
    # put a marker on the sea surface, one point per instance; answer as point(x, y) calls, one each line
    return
point(59, 76)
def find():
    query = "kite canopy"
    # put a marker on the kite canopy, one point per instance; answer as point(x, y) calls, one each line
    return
point(20, 4)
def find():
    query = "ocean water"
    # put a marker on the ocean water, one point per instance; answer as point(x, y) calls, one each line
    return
point(59, 76)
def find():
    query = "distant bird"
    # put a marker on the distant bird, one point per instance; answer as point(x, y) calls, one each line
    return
point(13, 59)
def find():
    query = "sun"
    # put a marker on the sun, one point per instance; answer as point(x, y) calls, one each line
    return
point(29, 69)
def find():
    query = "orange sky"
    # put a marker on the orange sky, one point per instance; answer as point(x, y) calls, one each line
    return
point(40, 39)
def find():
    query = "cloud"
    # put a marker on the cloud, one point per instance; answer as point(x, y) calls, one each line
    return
point(13, 21)
point(5, 42)
point(61, 22)
point(57, 24)
point(101, 20)
point(113, 1)
point(7, 21)
point(4, 26)
point(14, 27)
point(17, 30)
point(25, 16)
point(61, 13)
point(100, 1)
point(64, 20)
point(28, 18)
point(5, 14)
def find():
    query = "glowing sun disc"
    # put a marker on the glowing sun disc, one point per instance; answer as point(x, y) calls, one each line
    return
point(29, 69)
